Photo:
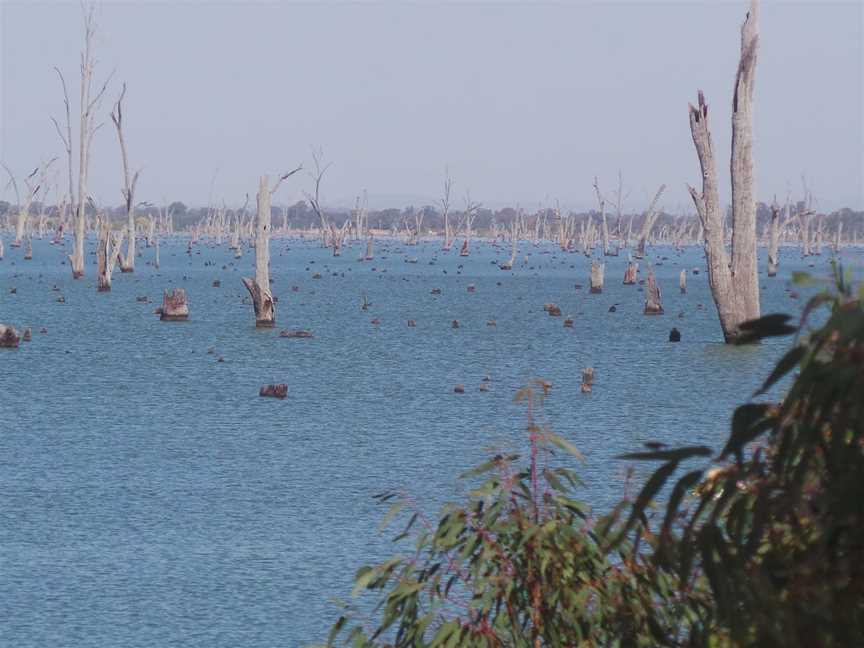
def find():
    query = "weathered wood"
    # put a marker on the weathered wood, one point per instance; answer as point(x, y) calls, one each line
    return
point(682, 281)
point(774, 239)
point(587, 380)
point(648, 223)
point(107, 254)
point(734, 286)
point(597, 272)
point(174, 306)
point(259, 288)
point(630, 273)
point(89, 106)
point(274, 391)
point(9, 337)
point(127, 264)
point(653, 301)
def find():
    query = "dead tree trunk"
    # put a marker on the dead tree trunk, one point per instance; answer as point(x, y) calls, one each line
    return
point(682, 281)
point(174, 306)
point(597, 272)
point(107, 253)
point(127, 264)
point(774, 240)
point(648, 223)
point(259, 288)
point(602, 201)
point(735, 287)
point(630, 273)
point(87, 127)
point(653, 301)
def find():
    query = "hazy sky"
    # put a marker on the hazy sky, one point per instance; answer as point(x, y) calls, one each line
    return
point(524, 101)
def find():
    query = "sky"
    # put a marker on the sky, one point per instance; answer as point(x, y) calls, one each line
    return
point(522, 102)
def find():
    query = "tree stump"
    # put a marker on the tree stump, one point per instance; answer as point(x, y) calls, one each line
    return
point(587, 380)
point(28, 335)
point(630, 273)
point(273, 391)
point(295, 333)
point(552, 309)
point(653, 303)
point(597, 272)
point(262, 302)
point(174, 306)
point(9, 337)
point(674, 335)
point(682, 281)
point(459, 389)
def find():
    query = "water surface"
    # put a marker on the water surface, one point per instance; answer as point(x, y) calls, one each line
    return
point(149, 497)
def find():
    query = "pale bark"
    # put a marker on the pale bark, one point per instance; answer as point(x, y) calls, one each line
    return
point(445, 207)
point(602, 201)
point(86, 128)
point(259, 288)
point(107, 254)
point(648, 223)
point(174, 306)
point(774, 239)
point(597, 272)
point(734, 286)
point(682, 281)
point(127, 264)
point(653, 301)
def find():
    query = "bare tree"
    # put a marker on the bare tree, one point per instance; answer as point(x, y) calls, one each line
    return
point(735, 287)
point(87, 128)
point(127, 264)
point(315, 199)
point(602, 202)
point(774, 237)
point(648, 223)
point(471, 209)
point(445, 208)
point(259, 288)
point(107, 252)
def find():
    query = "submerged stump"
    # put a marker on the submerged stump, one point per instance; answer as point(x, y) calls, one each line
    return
point(9, 337)
point(653, 302)
point(630, 273)
point(597, 272)
point(587, 380)
point(174, 306)
point(273, 391)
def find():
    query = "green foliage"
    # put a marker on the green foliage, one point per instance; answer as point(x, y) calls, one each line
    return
point(764, 548)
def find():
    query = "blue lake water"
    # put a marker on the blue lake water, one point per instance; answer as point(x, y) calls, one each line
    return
point(149, 497)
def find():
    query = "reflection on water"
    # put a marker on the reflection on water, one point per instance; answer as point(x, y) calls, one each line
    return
point(149, 497)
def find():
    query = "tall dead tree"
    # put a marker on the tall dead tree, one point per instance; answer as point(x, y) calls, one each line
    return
point(735, 287)
point(87, 127)
point(445, 208)
point(107, 252)
point(774, 237)
point(315, 199)
point(127, 264)
point(602, 202)
point(259, 288)
point(648, 223)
